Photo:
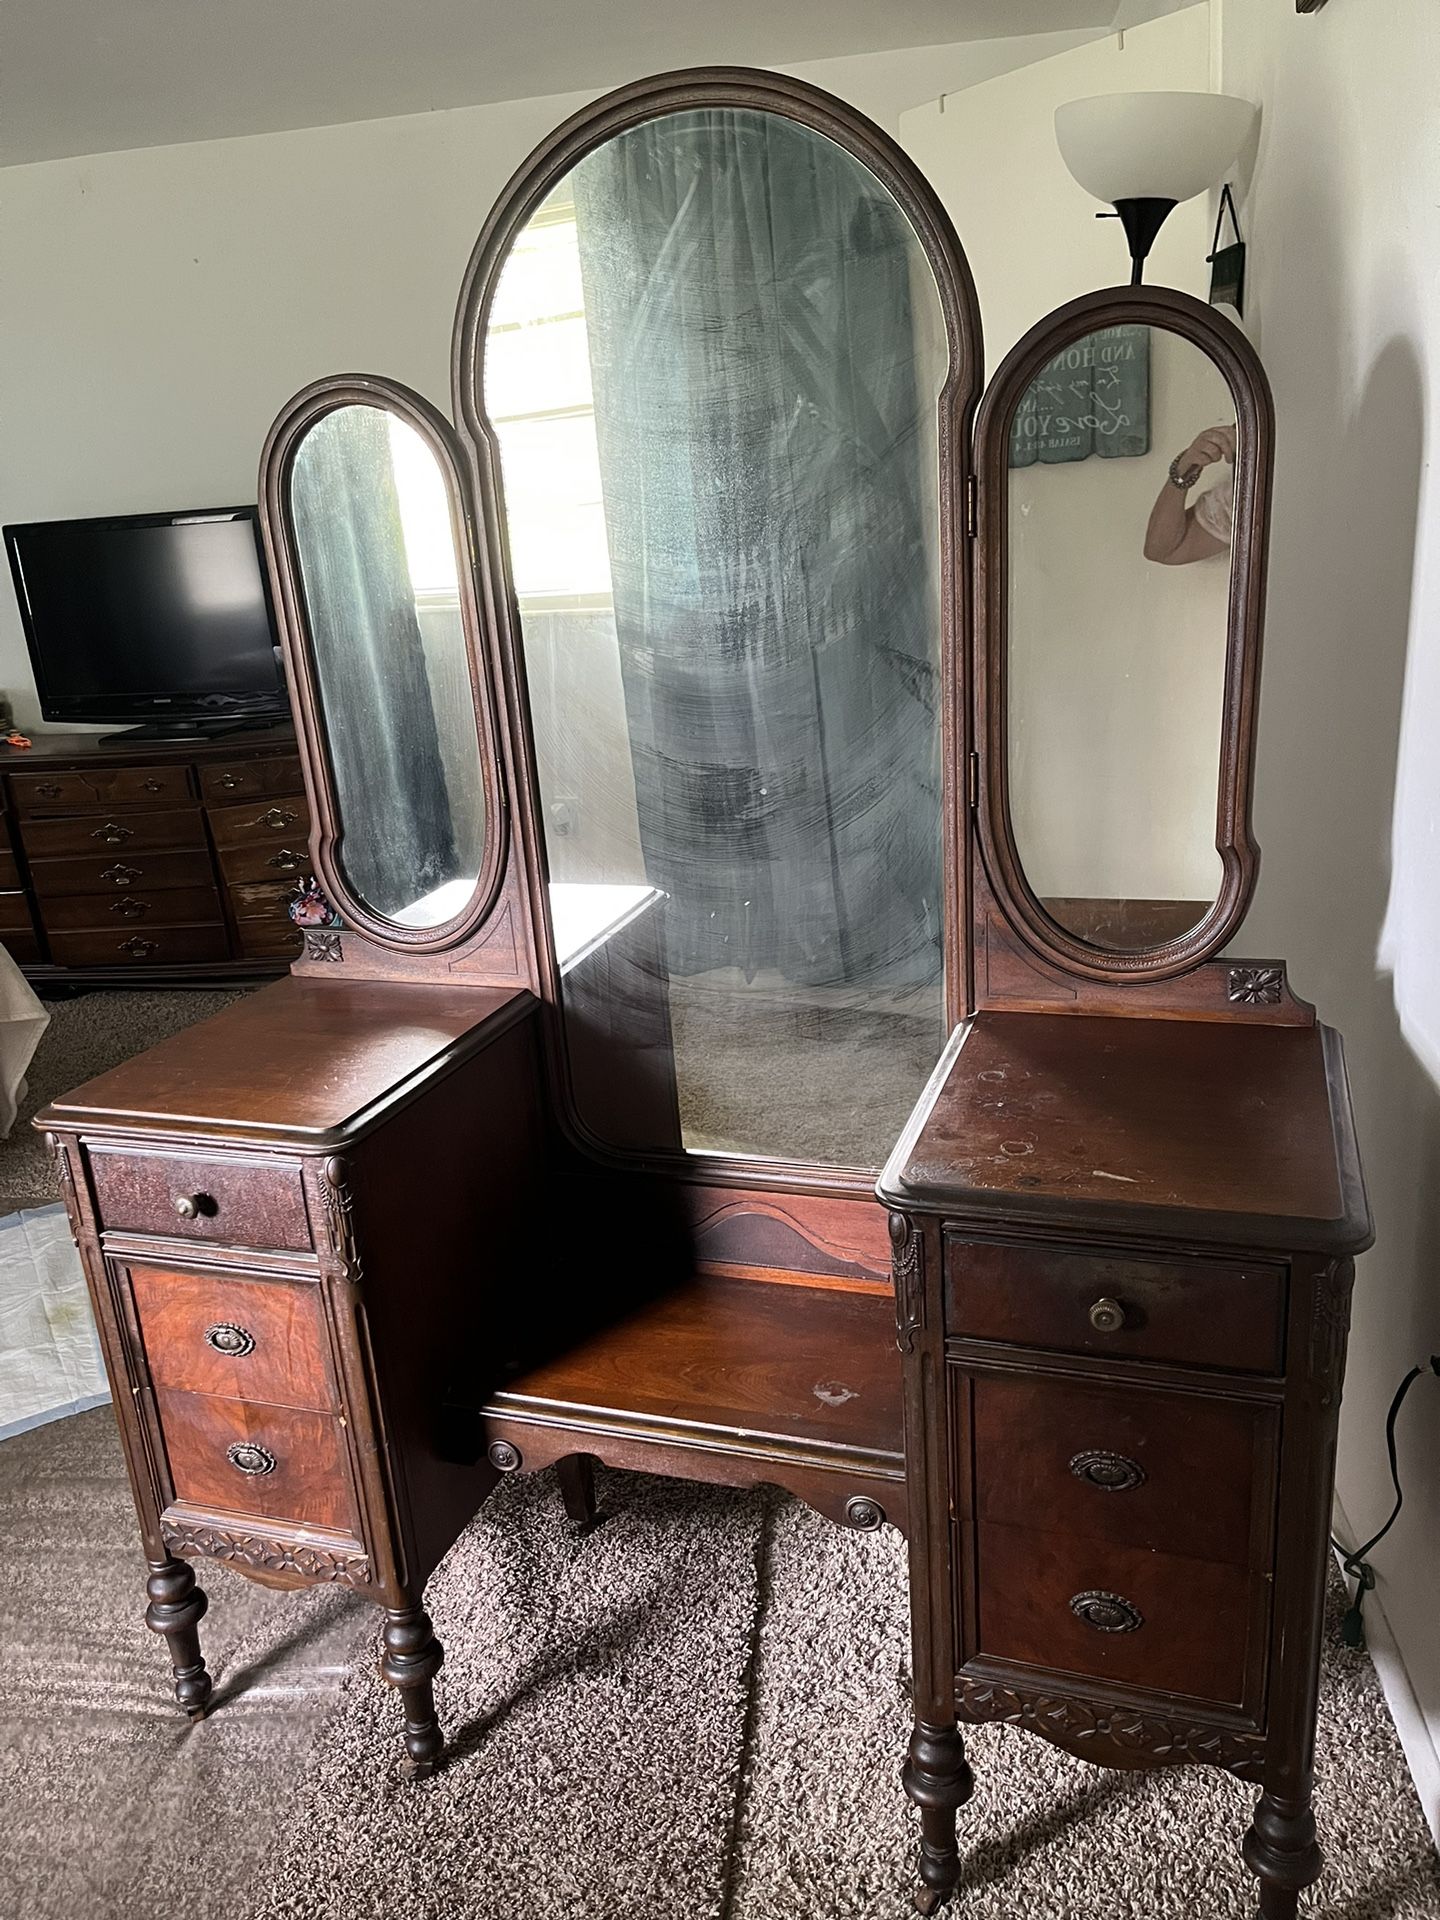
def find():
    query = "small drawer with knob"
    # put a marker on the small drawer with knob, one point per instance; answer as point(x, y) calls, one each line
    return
point(277, 1463)
point(237, 1203)
point(249, 1339)
point(1198, 1313)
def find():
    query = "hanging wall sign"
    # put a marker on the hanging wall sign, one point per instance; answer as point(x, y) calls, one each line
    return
point(1092, 398)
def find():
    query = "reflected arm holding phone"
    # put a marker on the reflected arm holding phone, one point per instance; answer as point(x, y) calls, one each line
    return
point(1179, 533)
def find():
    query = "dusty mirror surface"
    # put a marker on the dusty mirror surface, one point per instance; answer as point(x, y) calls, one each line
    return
point(712, 367)
point(1118, 590)
point(379, 573)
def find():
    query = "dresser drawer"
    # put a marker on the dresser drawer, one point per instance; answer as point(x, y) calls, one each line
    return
point(1166, 1623)
point(150, 947)
point(260, 940)
point(118, 832)
point(238, 1203)
point(129, 872)
point(15, 914)
point(242, 1456)
point(1197, 1313)
point(1174, 1472)
point(9, 869)
point(261, 823)
point(100, 786)
point(242, 1339)
point(289, 861)
point(135, 906)
point(244, 779)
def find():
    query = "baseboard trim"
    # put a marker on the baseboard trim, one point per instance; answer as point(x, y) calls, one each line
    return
point(1416, 1739)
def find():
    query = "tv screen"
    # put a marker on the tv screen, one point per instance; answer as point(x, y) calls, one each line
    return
point(150, 615)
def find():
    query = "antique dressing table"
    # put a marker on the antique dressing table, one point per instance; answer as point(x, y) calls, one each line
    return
point(695, 737)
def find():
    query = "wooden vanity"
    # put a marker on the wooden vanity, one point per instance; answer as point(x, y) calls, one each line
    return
point(718, 735)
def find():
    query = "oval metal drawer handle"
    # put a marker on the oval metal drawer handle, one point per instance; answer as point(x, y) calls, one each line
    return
point(246, 1457)
point(234, 1342)
point(1107, 1315)
point(1107, 1612)
point(190, 1206)
point(1111, 1472)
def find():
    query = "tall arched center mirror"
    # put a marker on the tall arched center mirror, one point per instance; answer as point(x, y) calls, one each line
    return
point(713, 365)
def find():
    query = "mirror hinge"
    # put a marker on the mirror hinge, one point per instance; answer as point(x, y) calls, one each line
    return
point(972, 510)
point(974, 778)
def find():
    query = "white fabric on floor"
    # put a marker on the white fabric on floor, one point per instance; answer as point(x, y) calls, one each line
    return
point(49, 1355)
point(22, 1021)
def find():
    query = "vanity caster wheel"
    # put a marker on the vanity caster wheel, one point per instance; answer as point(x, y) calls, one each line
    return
point(413, 1769)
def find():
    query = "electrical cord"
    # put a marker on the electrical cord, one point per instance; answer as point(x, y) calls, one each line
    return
point(1355, 1563)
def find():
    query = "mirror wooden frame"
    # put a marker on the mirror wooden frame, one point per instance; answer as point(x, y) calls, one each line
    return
point(1189, 319)
point(740, 89)
point(304, 411)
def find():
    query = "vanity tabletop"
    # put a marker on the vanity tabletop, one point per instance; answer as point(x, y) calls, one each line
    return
point(1220, 1132)
point(304, 1062)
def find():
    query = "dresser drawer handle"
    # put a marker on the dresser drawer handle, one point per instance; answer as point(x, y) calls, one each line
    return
point(278, 817)
point(229, 782)
point(286, 861)
point(142, 949)
point(49, 791)
point(130, 908)
point(121, 876)
point(1107, 1612)
point(234, 1342)
point(192, 1206)
point(1111, 1472)
point(154, 786)
point(246, 1457)
point(112, 833)
point(1107, 1315)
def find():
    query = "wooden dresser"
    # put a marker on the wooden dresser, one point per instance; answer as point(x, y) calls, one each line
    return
point(164, 861)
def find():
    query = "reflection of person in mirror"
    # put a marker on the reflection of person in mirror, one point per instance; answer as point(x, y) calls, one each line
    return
point(1179, 532)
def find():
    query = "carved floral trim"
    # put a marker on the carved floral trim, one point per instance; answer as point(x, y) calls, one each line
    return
point(1330, 1329)
point(1124, 1730)
point(339, 1199)
point(1256, 986)
point(909, 1291)
point(268, 1556)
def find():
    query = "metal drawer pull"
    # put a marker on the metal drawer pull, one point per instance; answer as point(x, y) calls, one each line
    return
point(190, 1206)
point(112, 833)
point(130, 908)
point(234, 1342)
point(49, 791)
point(121, 876)
point(278, 817)
point(1107, 1315)
point(229, 782)
point(1107, 1612)
point(154, 786)
point(1111, 1472)
point(142, 949)
point(246, 1457)
point(286, 861)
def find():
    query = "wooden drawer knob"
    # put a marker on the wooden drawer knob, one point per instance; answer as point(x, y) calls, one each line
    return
point(1107, 1315)
point(248, 1458)
point(1111, 1472)
point(194, 1206)
point(234, 1342)
point(1107, 1612)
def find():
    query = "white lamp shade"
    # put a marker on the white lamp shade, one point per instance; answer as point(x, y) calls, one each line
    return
point(1160, 146)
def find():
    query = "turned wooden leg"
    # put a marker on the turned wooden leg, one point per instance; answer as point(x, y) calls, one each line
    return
point(938, 1779)
point(410, 1663)
point(577, 1488)
point(177, 1606)
point(1282, 1850)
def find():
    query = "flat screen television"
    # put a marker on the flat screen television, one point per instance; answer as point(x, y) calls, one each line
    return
point(161, 618)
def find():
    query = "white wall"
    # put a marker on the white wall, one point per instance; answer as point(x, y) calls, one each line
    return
point(1344, 223)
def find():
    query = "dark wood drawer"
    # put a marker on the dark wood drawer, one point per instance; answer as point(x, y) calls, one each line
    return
point(243, 1339)
point(239, 1203)
point(258, 940)
point(257, 824)
point(289, 861)
point(149, 946)
point(1198, 1313)
point(243, 779)
point(1185, 1626)
point(23, 948)
point(117, 833)
point(118, 873)
point(9, 869)
point(262, 900)
point(15, 914)
point(136, 907)
point(100, 787)
point(1176, 1472)
point(242, 1456)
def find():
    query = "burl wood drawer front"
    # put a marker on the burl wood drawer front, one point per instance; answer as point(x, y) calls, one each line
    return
point(1163, 1622)
point(1194, 1312)
point(129, 872)
point(1177, 1472)
point(120, 832)
point(241, 1456)
point(243, 1339)
point(261, 825)
point(131, 906)
point(232, 1202)
point(131, 786)
point(136, 947)
point(243, 779)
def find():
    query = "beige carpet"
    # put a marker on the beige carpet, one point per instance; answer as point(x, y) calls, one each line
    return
point(697, 1710)
point(87, 1035)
